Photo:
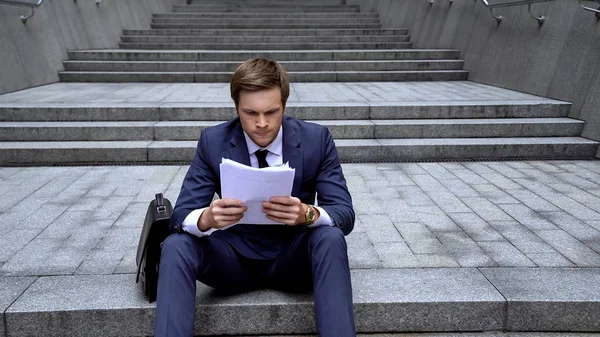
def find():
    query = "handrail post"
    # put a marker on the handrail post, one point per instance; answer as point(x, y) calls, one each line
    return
point(540, 19)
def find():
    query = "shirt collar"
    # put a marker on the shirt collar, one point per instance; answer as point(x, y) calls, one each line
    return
point(276, 146)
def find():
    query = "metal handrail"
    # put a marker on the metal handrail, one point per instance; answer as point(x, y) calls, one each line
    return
point(432, 1)
point(597, 11)
point(540, 18)
point(24, 18)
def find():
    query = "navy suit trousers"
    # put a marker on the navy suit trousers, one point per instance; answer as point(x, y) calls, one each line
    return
point(313, 259)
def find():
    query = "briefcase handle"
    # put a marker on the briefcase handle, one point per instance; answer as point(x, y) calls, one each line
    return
point(160, 203)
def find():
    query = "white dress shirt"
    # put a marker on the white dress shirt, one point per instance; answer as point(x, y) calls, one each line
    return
point(274, 158)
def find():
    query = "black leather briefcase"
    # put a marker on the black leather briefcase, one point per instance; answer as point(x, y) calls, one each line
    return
point(154, 232)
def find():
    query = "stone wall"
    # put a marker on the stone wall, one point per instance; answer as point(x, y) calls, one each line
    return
point(32, 54)
point(559, 59)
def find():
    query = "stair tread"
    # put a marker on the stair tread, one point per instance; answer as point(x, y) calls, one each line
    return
point(458, 121)
point(339, 142)
point(289, 72)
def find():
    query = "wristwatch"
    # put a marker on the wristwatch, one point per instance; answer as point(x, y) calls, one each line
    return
point(310, 215)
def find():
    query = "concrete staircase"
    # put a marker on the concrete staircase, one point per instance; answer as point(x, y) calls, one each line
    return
point(325, 41)
point(326, 46)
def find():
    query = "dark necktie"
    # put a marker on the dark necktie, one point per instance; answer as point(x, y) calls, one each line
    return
point(261, 155)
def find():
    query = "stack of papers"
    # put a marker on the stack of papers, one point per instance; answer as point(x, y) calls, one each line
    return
point(253, 186)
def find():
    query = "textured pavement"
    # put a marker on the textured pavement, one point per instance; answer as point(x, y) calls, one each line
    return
point(87, 220)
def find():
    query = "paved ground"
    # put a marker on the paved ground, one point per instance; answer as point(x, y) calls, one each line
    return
point(86, 220)
point(467, 334)
point(332, 93)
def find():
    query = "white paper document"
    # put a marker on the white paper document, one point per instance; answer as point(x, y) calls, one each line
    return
point(253, 186)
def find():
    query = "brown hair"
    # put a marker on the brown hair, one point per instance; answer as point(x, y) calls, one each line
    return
point(259, 74)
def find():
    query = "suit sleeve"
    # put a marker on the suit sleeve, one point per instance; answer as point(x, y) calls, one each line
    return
point(332, 193)
point(198, 188)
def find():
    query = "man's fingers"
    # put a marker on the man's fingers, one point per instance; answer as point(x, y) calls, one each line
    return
point(228, 202)
point(281, 215)
point(232, 210)
point(281, 208)
point(285, 200)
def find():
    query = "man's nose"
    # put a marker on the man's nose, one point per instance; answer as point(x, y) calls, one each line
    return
point(261, 122)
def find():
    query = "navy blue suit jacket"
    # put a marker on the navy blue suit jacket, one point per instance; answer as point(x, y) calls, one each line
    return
point(309, 149)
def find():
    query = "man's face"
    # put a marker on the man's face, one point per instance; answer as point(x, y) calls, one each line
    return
point(261, 114)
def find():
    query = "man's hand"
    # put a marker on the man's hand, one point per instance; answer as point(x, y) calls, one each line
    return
point(286, 210)
point(221, 213)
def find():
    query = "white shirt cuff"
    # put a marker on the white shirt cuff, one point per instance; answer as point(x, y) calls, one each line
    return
point(190, 224)
point(323, 220)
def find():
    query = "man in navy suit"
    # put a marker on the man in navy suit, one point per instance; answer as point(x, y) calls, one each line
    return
point(307, 251)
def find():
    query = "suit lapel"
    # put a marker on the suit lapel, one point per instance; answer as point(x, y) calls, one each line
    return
point(239, 150)
point(293, 154)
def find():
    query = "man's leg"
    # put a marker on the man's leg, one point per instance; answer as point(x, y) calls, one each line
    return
point(321, 252)
point(184, 259)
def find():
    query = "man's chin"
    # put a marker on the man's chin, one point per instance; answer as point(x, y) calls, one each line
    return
point(262, 141)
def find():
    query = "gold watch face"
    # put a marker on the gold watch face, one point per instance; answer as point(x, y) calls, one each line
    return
point(310, 215)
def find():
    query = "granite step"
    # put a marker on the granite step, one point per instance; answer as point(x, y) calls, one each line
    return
point(450, 299)
point(349, 150)
point(249, 22)
point(261, 3)
point(266, 2)
point(279, 55)
point(301, 77)
point(264, 9)
point(191, 66)
point(299, 5)
point(259, 25)
point(151, 112)
point(253, 16)
point(261, 39)
point(265, 32)
point(341, 129)
point(267, 10)
point(265, 46)
point(385, 300)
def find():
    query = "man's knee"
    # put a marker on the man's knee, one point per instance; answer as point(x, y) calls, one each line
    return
point(327, 237)
point(178, 247)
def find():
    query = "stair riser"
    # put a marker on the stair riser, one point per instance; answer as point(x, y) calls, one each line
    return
point(265, 39)
point(259, 25)
point(254, 16)
point(264, 21)
point(365, 130)
point(114, 77)
point(177, 112)
point(265, 10)
point(257, 4)
point(347, 153)
point(230, 67)
point(265, 32)
point(258, 320)
point(267, 2)
point(270, 46)
point(442, 152)
point(260, 6)
point(276, 55)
